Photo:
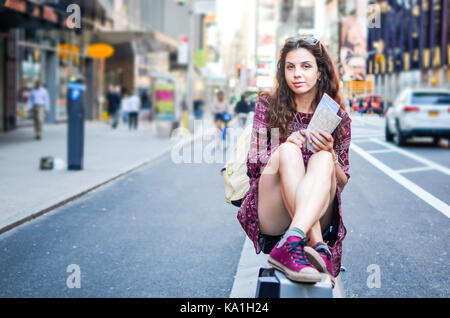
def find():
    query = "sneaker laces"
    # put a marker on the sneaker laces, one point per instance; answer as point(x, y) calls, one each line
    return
point(297, 248)
point(322, 249)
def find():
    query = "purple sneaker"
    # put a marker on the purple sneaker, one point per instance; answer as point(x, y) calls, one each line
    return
point(290, 258)
point(320, 257)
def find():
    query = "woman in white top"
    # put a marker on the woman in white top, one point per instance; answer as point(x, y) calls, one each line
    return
point(219, 108)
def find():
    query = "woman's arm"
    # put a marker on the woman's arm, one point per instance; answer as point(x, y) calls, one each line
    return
point(340, 174)
point(342, 152)
point(258, 153)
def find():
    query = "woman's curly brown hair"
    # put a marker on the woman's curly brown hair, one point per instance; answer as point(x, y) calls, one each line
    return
point(282, 107)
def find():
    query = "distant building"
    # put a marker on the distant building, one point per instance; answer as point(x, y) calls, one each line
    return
point(411, 47)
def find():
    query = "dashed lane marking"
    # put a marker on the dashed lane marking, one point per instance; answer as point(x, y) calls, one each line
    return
point(439, 205)
point(413, 156)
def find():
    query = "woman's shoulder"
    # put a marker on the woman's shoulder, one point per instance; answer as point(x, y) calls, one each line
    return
point(262, 107)
point(263, 101)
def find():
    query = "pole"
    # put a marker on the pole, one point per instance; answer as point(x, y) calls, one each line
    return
point(190, 84)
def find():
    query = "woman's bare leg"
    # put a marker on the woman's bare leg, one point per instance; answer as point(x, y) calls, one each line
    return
point(315, 234)
point(277, 188)
point(314, 193)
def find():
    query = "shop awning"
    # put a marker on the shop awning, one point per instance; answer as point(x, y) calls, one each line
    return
point(156, 40)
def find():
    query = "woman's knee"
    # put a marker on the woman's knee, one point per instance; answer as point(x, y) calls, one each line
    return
point(322, 160)
point(291, 155)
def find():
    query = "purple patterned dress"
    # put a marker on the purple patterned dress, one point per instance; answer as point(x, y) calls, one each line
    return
point(258, 158)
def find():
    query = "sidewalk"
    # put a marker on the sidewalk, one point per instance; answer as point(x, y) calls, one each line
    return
point(27, 192)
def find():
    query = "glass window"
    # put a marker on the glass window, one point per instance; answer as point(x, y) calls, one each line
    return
point(29, 73)
point(431, 98)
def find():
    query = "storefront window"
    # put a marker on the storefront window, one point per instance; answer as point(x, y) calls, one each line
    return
point(69, 67)
point(30, 72)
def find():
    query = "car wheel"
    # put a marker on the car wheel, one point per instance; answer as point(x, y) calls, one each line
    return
point(399, 139)
point(387, 133)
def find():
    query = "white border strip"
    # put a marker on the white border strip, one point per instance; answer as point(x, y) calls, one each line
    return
point(439, 205)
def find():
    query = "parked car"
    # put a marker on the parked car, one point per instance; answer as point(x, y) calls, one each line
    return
point(419, 112)
point(378, 103)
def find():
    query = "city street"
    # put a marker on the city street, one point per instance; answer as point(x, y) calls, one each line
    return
point(165, 230)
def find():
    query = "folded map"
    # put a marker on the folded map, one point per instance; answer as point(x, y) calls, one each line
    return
point(325, 118)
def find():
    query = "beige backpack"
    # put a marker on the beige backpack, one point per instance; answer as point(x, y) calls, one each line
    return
point(234, 173)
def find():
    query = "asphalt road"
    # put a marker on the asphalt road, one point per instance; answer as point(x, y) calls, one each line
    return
point(392, 231)
point(165, 231)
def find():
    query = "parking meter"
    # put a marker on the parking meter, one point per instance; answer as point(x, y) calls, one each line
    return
point(75, 109)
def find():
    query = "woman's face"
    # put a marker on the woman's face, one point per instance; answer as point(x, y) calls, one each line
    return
point(301, 71)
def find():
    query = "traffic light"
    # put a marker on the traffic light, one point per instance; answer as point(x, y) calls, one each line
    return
point(181, 2)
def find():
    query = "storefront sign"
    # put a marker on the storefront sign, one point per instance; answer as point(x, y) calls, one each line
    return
point(100, 50)
point(165, 101)
point(36, 12)
point(50, 15)
point(359, 85)
point(18, 5)
point(66, 50)
point(205, 6)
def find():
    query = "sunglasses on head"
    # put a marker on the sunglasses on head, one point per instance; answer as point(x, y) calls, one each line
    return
point(310, 40)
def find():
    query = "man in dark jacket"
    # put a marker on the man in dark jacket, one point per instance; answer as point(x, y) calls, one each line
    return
point(114, 100)
point(242, 109)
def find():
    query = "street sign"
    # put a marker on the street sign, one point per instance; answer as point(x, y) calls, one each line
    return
point(75, 91)
point(204, 6)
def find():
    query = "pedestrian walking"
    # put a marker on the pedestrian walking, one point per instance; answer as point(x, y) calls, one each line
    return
point(369, 106)
point(133, 106)
point(39, 105)
point(293, 208)
point(145, 106)
point(219, 107)
point(198, 108)
point(241, 110)
point(361, 106)
point(113, 100)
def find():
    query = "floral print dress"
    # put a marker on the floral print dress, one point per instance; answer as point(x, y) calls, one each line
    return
point(258, 158)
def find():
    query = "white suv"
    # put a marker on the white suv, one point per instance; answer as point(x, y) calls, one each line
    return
point(419, 112)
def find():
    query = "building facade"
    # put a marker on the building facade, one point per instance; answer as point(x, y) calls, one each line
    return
point(38, 42)
point(411, 47)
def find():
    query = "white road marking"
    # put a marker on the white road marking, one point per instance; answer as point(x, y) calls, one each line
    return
point(363, 139)
point(413, 156)
point(246, 278)
point(380, 151)
point(439, 205)
point(418, 169)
